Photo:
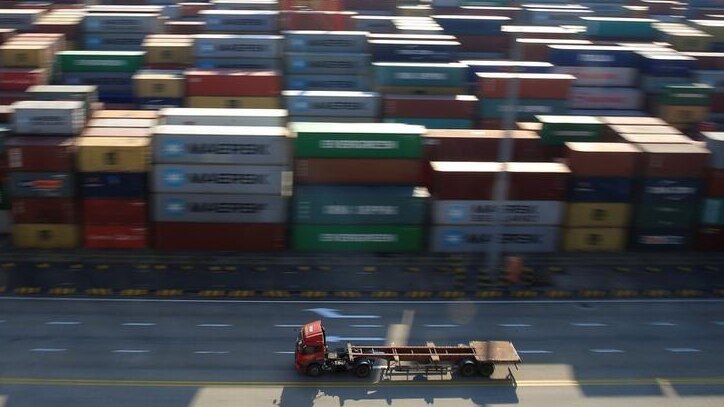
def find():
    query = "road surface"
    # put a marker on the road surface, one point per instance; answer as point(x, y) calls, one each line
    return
point(180, 353)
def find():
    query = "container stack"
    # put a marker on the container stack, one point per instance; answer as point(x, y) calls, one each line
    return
point(42, 177)
point(357, 188)
point(68, 22)
point(233, 51)
point(231, 88)
point(600, 195)
point(557, 130)
point(231, 21)
point(477, 34)
point(220, 187)
point(711, 231)
point(26, 60)
point(119, 31)
point(463, 206)
point(659, 70)
point(685, 105)
point(669, 196)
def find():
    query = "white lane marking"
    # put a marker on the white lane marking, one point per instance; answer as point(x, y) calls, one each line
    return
point(63, 323)
point(131, 351)
point(139, 324)
point(588, 324)
point(334, 314)
point(514, 325)
point(366, 326)
point(285, 352)
point(288, 326)
point(683, 350)
point(534, 351)
point(719, 322)
point(211, 352)
point(2, 321)
point(606, 350)
point(213, 325)
point(352, 339)
point(441, 326)
point(48, 350)
point(662, 323)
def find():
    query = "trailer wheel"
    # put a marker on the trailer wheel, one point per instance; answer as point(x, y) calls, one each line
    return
point(486, 369)
point(314, 370)
point(362, 370)
point(467, 368)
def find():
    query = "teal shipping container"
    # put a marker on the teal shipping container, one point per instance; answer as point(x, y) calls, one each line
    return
point(419, 74)
point(526, 109)
point(357, 238)
point(617, 27)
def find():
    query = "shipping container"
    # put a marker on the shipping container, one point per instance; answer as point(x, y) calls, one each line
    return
point(666, 215)
point(419, 74)
point(299, 63)
point(221, 179)
point(433, 123)
point(122, 132)
point(221, 145)
point(326, 103)
point(124, 114)
point(610, 27)
point(219, 237)
point(693, 94)
point(113, 154)
point(128, 41)
point(453, 180)
point(360, 83)
point(422, 90)
point(666, 64)
point(248, 21)
point(557, 130)
point(357, 238)
point(122, 23)
point(18, 80)
point(100, 61)
point(632, 121)
point(44, 210)
point(710, 238)
point(654, 139)
point(475, 66)
point(45, 236)
point(19, 19)
point(130, 123)
point(360, 205)
point(43, 154)
point(325, 140)
point(643, 129)
point(615, 215)
point(84, 93)
point(531, 85)
point(219, 208)
point(595, 55)
point(471, 24)
point(683, 114)
point(480, 145)
point(595, 159)
point(326, 41)
point(451, 107)
point(104, 82)
point(671, 190)
point(61, 118)
point(414, 50)
point(513, 239)
point(26, 55)
point(113, 185)
point(109, 212)
point(225, 102)
point(594, 239)
point(467, 212)
point(4, 195)
point(232, 83)
point(544, 181)
point(525, 109)
point(224, 117)
point(249, 64)
point(599, 76)
point(359, 171)
point(674, 160)
point(115, 237)
point(41, 185)
point(661, 240)
point(159, 84)
point(237, 46)
point(5, 222)
point(712, 212)
point(606, 98)
point(715, 183)
point(715, 144)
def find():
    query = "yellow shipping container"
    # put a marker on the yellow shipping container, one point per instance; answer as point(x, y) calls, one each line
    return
point(594, 239)
point(45, 236)
point(232, 102)
point(614, 215)
point(159, 85)
point(683, 114)
point(422, 90)
point(26, 56)
point(113, 154)
point(169, 52)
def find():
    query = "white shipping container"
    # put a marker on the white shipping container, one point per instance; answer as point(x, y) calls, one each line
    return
point(237, 46)
point(219, 208)
point(512, 239)
point(224, 117)
point(257, 21)
point(510, 213)
point(222, 179)
point(606, 98)
point(600, 76)
point(332, 103)
point(37, 117)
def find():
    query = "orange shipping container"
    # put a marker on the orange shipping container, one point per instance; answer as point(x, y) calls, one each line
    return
point(603, 159)
point(317, 20)
point(358, 171)
point(531, 85)
point(229, 82)
point(674, 160)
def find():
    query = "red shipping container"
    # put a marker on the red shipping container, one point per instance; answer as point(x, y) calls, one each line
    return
point(358, 171)
point(538, 181)
point(674, 160)
point(430, 106)
point(596, 159)
point(19, 80)
point(532, 85)
point(489, 124)
point(184, 27)
point(710, 238)
point(715, 184)
point(191, 9)
point(717, 102)
point(44, 210)
point(317, 20)
point(115, 212)
point(318, 5)
point(480, 145)
point(490, 43)
point(233, 83)
point(115, 237)
point(512, 12)
point(8, 98)
point(463, 180)
point(536, 49)
point(255, 237)
point(52, 154)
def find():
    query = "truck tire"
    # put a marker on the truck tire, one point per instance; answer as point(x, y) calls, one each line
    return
point(362, 370)
point(486, 369)
point(314, 370)
point(467, 368)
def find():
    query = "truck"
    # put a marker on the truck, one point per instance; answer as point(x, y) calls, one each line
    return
point(313, 357)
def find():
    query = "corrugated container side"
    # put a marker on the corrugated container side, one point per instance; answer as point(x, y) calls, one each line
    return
point(115, 237)
point(46, 154)
point(234, 179)
point(41, 185)
point(357, 238)
point(109, 154)
point(535, 213)
point(219, 237)
point(115, 212)
point(514, 239)
point(671, 190)
point(348, 171)
point(44, 210)
point(661, 240)
point(113, 185)
point(45, 236)
point(594, 239)
point(615, 215)
point(219, 208)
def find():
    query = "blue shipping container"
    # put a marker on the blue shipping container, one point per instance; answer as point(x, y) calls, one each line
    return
point(597, 189)
point(671, 190)
point(414, 51)
point(593, 55)
point(471, 25)
point(113, 185)
point(327, 82)
point(666, 64)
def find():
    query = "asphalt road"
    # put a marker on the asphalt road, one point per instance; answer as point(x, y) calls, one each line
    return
point(71, 352)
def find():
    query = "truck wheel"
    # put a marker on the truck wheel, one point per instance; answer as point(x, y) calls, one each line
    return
point(486, 369)
point(314, 370)
point(467, 368)
point(362, 370)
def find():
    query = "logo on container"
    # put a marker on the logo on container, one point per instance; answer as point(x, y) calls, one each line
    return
point(453, 238)
point(455, 213)
point(298, 42)
point(299, 64)
point(299, 84)
point(300, 105)
point(174, 207)
point(172, 148)
point(173, 177)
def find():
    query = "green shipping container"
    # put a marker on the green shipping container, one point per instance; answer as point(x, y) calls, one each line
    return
point(558, 130)
point(357, 238)
point(370, 140)
point(433, 123)
point(713, 212)
point(526, 109)
point(352, 205)
point(100, 61)
point(420, 74)
point(694, 94)
point(674, 215)
point(615, 27)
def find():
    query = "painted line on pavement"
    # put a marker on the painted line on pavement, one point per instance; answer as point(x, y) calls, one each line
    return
point(534, 352)
point(683, 350)
point(607, 350)
point(288, 326)
point(367, 326)
point(588, 324)
point(2, 321)
point(441, 326)
point(662, 323)
point(131, 351)
point(285, 352)
point(515, 325)
point(213, 325)
point(48, 350)
point(63, 323)
point(139, 324)
point(211, 352)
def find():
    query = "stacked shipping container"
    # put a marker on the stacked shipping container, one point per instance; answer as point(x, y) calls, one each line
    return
point(711, 231)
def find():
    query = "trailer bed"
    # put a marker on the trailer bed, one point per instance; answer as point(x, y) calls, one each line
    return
point(497, 352)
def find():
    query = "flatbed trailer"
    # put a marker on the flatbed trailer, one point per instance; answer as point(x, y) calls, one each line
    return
point(313, 357)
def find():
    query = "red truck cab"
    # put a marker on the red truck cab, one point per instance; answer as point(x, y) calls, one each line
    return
point(311, 346)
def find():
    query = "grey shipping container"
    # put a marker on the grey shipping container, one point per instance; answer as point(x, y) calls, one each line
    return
point(80, 92)
point(532, 213)
point(262, 64)
point(350, 205)
point(222, 179)
point(357, 83)
point(237, 46)
point(222, 145)
point(63, 118)
point(219, 208)
point(241, 20)
point(41, 185)
point(325, 41)
point(122, 23)
point(301, 63)
point(512, 239)
point(332, 104)
point(224, 117)
point(130, 41)
point(605, 98)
